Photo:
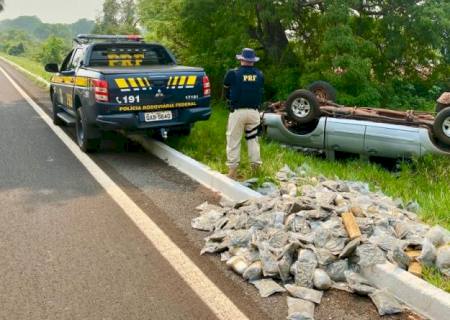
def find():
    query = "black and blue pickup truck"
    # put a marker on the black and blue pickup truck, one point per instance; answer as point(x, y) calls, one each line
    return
point(122, 83)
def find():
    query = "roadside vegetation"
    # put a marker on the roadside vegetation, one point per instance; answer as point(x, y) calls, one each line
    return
point(376, 53)
point(424, 180)
point(30, 65)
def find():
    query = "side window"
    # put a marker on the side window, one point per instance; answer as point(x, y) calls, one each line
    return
point(66, 61)
point(76, 59)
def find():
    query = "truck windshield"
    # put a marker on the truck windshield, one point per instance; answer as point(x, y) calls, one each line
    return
point(129, 55)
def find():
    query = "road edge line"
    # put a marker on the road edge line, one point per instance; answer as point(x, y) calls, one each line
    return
point(205, 289)
point(419, 295)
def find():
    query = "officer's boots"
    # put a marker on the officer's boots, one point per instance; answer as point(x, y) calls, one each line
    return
point(232, 173)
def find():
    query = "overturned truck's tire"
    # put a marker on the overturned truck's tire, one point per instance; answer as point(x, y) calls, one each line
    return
point(323, 90)
point(441, 127)
point(443, 102)
point(302, 106)
point(441, 106)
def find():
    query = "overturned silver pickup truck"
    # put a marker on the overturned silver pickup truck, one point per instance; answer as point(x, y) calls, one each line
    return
point(311, 119)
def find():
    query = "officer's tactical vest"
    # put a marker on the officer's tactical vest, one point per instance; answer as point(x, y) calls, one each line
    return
point(246, 88)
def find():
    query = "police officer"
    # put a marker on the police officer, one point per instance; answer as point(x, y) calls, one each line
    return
point(244, 92)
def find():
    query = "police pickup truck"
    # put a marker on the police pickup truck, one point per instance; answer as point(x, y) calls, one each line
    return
point(122, 83)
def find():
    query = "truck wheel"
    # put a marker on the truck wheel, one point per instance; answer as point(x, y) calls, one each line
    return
point(441, 106)
point(441, 127)
point(57, 121)
point(323, 90)
point(84, 131)
point(302, 106)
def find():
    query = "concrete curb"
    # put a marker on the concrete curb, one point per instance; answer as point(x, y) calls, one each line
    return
point(203, 174)
point(416, 293)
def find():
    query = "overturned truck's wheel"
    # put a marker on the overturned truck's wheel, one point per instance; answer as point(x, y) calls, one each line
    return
point(441, 106)
point(302, 106)
point(441, 127)
point(323, 91)
point(443, 102)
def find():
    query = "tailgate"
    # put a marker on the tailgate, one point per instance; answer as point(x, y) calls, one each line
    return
point(155, 91)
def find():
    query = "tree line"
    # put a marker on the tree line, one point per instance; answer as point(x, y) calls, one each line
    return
point(392, 53)
point(29, 36)
point(376, 52)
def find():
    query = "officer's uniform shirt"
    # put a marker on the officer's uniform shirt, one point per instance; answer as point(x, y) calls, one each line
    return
point(244, 87)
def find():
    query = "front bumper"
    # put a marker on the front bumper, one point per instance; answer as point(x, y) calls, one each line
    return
point(135, 120)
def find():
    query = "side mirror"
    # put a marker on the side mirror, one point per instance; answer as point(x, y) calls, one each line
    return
point(52, 68)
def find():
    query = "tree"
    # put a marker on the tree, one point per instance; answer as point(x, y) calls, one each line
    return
point(2, 4)
point(108, 23)
point(117, 17)
point(128, 18)
point(376, 52)
point(53, 50)
point(15, 42)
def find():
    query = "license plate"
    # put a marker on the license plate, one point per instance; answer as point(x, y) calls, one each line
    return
point(158, 116)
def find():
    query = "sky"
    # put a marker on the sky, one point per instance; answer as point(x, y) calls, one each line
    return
point(52, 11)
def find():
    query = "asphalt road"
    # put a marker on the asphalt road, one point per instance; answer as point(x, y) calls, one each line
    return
point(68, 251)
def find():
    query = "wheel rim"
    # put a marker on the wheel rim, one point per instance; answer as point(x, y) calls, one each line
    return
point(301, 107)
point(80, 131)
point(446, 127)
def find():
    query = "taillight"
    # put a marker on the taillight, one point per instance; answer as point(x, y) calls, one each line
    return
point(100, 90)
point(206, 87)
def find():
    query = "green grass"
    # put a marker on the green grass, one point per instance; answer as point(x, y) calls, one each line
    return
point(28, 64)
point(433, 276)
point(426, 180)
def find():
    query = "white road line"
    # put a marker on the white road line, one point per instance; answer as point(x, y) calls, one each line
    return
point(208, 292)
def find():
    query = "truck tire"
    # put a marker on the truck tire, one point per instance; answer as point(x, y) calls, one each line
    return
point(57, 121)
point(441, 127)
point(84, 131)
point(323, 90)
point(302, 106)
point(441, 106)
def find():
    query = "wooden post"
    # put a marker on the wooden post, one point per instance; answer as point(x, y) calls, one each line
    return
point(350, 225)
point(416, 269)
point(413, 254)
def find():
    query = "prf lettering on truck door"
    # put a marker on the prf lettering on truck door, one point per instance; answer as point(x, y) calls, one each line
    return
point(250, 77)
point(125, 59)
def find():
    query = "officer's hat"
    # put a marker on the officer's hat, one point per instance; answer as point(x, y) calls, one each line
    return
point(247, 55)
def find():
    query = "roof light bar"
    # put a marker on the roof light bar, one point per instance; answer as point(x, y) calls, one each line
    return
point(86, 38)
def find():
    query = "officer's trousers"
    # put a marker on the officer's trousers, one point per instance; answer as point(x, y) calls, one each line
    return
point(243, 121)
